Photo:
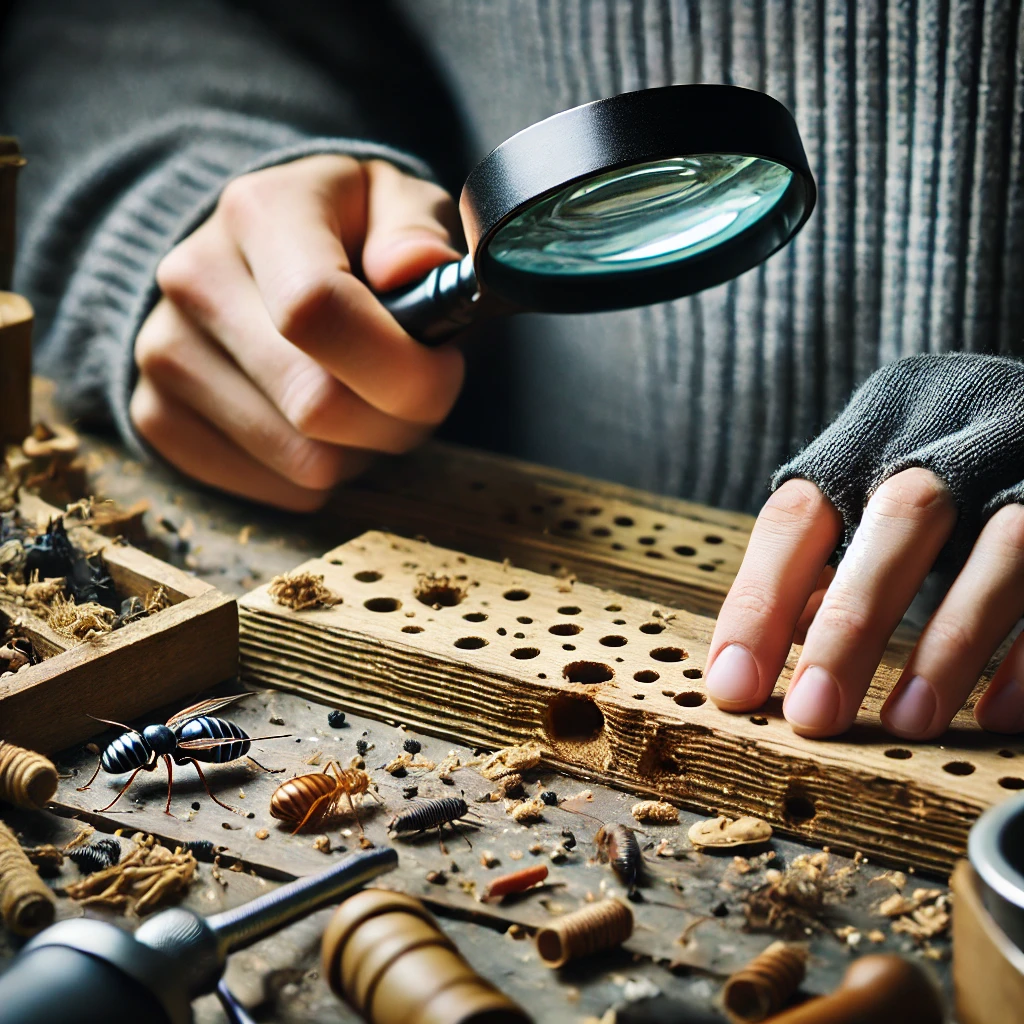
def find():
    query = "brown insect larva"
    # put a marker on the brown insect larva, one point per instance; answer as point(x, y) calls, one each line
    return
point(27, 779)
point(594, 928)
point(617, 845)
point(314, 798)
point(766, 984)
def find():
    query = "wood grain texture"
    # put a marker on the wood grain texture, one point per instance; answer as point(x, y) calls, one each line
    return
point(15, 366)
point(550, 521)
point(176, 652)
point(518, 657)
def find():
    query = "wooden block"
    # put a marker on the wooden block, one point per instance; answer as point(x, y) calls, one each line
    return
point(174, 653)
point(11, 161)
point(15, 368)
point(550, 521)
point(611, 686)
point(988, 969)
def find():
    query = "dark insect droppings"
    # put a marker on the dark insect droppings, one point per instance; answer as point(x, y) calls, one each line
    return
point(362, 747)
point(336, 719)
point(568, 839)
point(550, 798)
point(412, 746)
point(195, 805)
point(410, 791)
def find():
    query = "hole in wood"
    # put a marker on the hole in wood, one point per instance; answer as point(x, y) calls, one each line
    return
point(501, 631)
point(475, 617)
point(958, 767)
point(525, 653)
point(600, 531)
point(618, 622)
point(613, 608)
point(1005, 753)
point(653, 554)
point(646, 541)
point(412, 629)
point(613, 641)
point(652, 627)
point(588, 672)
point(669, 654)
point(568, 647)
point(519, 636)
point(516, 595)
point(623, 521)
point(690, 699)
point(565, 629)
point(638, 696)
point(438, 592)
point(899, 753)
point(799, 807)
point(569, 525)
point(524, 619)
point(574, 719)
point(382, 604)
point(692, 673)
point(470, 643)
point(646, 676)
point(568, 609)
point(706, 567)
point(668, 693)
point(1010, 782)
point(658, 526)
point(685, 550)
point(618, 547)
point(712, 539)
point(759, 719)
point(368, 576)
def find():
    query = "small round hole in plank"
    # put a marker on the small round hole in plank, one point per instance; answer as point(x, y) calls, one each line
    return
point(475, 617)
point(685, 550)
point(899, 753)
point(759, 719)
point(1005, 753)
point(600, 531)
point(958, 767)
point(613, 608)
point(653, 554)
point(692, 673)
point(706, 567)
point(799, 807)
point(669, 654)
point(470, 643)
point(638, 696)
point(501, 631)
point(653, 628)
point(516, 595)
point(646, 676)
point(574, 719)
point(646, 541)
point(382, 604)
point(568, 647)
point(525, 653)
point(438, 592)
point(568, 609)
point(613, 641)
point(712, 539)
point(368, 576)
point(623, 521)
point(565, 628)
point(690, 699)
point(1010, 782)
point(412, 629)
point(524, 619)
point(589, 672)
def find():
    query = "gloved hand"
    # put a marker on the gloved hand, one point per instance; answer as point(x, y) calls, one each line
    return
point(924, 467)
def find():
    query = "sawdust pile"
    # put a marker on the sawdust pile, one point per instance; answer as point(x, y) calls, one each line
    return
point(301, 590)
point(79, 622)
point(143, 880)
point(655, 812)
point(922, 916)
point(793, 901)
point(525, 812)
point(511, 761)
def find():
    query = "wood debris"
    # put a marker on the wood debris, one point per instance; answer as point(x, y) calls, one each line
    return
point(448, 764)
point(27, 779)
point(404, 761)
point(322, 843)
point(655, 812)
point(511, 760)
point(525, 812)
point(145, 878)
point(26, 902)
point(895, 878)
point(79, 622)
point(723, 831)
point(301, 590)
point(793, 900)
point(923, 915)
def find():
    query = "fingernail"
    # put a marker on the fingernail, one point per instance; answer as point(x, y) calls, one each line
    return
point(733, 675)
point(913, 708)
point(813, 701)
point(1005, 711)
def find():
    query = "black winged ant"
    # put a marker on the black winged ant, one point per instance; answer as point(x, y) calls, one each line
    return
point(188, 737)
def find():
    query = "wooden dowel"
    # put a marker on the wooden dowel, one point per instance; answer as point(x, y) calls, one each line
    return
point(15, 368)
point(11, 161)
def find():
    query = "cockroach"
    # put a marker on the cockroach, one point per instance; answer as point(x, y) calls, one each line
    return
point(190, 736)
point(427, 814)
point(311, 799)
point(617, 846)
point(516, 882)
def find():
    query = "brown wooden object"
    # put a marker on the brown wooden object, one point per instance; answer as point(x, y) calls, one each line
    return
point(11, 161)
point(27, 904)
point(592, 929)
point(27, 779)
point(386, 957)
point(15, 368)
point(988, 969)
point(877, 989)
point(766, 984)
point(612, 688)
point(184, 648)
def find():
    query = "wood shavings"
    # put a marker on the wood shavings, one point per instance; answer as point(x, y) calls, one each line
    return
point(156, 600)
point(79, 622)
point(314, 758)
point(447, 765)
point(525, 812)
point(144, 879)
point(664, 849)
point(923, 915)
point(655, 812)
point(793, 900)
point(301, 590)
point(46, 441)
point(244, 535)
point(27, 904)
point(511, 760)
point(262, 833)
point(27, 779)
point(876, 935)
point(895, 878)
point(404, 761)
point(723, 831)
point(322, 843)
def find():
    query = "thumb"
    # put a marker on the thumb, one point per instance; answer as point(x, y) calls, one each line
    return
point(410, 224)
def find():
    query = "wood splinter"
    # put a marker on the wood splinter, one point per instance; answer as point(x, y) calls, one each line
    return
point(26, 903)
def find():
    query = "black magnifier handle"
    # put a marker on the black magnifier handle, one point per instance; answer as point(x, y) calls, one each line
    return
point(440, 305)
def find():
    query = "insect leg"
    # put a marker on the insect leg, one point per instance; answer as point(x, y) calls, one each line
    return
point(206, 786)
point(462, 834)
point(440, 840)
point(355, 813)
point(170, 779)
point(142, 768)
point(264, 768)
point(312, 809)
point(99, 765)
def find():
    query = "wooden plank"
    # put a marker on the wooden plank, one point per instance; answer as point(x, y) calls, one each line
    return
point(519, 658)
point(550, 521)
point(16, 361)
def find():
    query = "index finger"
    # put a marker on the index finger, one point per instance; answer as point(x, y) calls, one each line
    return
point(795, 533)
point(295, 226)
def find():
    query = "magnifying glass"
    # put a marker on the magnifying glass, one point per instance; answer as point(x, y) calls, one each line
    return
point(626, 201)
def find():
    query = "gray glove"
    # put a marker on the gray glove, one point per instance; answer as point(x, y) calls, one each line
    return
point(959, 415)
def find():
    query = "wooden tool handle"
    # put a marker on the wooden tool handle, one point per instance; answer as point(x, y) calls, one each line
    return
point(880, 989)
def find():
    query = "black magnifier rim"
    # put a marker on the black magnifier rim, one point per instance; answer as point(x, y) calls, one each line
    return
point(634, 128)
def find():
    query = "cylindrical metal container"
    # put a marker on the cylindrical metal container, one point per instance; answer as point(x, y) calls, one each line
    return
point(995, 848)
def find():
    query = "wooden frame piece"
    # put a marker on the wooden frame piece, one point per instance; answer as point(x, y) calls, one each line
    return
point(173, 653)
point(612, 688)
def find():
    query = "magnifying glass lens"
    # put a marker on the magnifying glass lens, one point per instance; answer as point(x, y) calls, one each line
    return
point(642, 216)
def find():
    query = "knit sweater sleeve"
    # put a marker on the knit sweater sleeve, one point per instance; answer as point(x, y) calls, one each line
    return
point(959, 415)
point(134, 114)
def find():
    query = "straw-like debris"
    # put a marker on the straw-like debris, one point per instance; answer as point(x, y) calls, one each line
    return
point(794, 900)
point(301, 590)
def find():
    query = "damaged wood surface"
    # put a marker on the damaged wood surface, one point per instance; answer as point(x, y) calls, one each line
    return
point(611, 688)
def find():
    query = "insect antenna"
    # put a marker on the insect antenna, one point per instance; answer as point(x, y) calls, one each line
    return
point(107, 721)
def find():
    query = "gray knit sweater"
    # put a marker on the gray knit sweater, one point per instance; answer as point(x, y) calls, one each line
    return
point(134, 113)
